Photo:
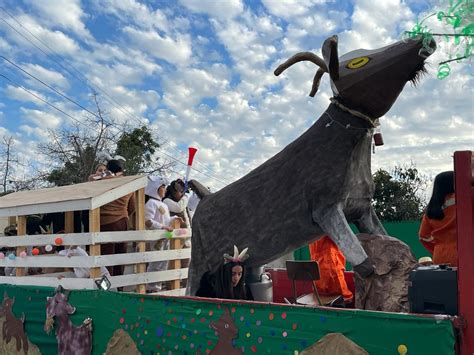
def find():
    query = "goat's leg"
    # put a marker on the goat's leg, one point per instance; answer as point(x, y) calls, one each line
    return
point(332, 221)
point(370, 223)
point(198, 264)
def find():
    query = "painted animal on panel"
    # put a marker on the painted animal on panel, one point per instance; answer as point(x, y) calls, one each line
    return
point(71, 339)
point(13, 327)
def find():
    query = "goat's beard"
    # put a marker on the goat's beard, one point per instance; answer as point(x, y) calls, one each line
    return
point(48, 324)
point(416, 75)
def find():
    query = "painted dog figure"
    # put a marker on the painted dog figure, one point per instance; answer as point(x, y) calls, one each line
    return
point(326, 171)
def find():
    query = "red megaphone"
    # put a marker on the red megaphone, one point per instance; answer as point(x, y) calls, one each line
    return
point(192, 152)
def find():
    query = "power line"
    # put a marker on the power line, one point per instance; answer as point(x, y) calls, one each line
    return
point(43, 100)
point(51, 88)
point(179, 161)
point(86, 81)
point(85, 125)
point(83, 79)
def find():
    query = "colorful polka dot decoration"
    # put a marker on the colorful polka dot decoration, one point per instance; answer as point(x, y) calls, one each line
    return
point(402, 349)
point(291, 330)
point(257, 328)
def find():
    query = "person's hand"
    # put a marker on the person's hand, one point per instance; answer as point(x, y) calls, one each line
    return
point(168, 229)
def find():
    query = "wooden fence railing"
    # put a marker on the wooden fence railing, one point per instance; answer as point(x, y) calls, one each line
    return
point(139, 278)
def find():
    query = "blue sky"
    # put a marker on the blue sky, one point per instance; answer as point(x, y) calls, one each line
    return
point(201, 73)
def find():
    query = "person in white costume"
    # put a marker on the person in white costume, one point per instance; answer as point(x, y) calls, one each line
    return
point(82, 272)
point(157, 216)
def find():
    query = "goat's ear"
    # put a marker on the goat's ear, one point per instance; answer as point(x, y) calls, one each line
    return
point(5, 295)
point(331, 57)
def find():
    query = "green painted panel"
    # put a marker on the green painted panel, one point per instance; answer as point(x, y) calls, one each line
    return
point(164, 325)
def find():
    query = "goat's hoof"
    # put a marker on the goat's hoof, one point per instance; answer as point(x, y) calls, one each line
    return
point(365, 268)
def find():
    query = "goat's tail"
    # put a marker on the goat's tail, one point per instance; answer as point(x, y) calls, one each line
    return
point(48, 324)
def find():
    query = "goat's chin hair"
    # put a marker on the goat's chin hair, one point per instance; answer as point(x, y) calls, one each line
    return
point(48, 324)
point(417, 74)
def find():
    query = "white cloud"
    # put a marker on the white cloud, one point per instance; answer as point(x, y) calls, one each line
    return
point(36, 133)
point(19, 94)
point(374, 24)
point(290, 8)
point(55, 40)
point(64, 14)
point(41, 119)
point(50, 77)
point(221, 10)
point(201, 72)
point(141, 15)
point(173, 50)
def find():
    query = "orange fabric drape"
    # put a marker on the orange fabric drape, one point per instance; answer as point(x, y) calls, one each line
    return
point(439, 236)
point(331, 265)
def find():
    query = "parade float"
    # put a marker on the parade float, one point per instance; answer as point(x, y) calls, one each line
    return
point(328, 168)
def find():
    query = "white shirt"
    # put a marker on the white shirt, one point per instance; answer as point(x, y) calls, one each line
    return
point(82, 272)
point(158, 213)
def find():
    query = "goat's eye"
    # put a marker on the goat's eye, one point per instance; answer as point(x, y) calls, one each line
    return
point(226, 326)
point(358, 62)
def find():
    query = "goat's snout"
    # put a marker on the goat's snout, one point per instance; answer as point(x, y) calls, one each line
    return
point(428, 48)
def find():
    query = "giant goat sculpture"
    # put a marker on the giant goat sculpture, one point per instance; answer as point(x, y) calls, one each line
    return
point(322, 181)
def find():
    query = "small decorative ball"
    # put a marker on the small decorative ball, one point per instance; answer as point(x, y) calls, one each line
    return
point(402, 349)
point(35, 251)
point(58, 241)
point(23, 254)
point(12, 256)
point(169, 235)
point(2, 256)
point(48, 248)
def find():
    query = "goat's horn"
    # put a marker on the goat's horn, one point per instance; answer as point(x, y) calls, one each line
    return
point(299, 57)
point(316, 81)
point(242, 253)
point(236, 252)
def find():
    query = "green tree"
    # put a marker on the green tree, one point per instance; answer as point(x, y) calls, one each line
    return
point(73, 151)
point(138, 148)
point(399, 195)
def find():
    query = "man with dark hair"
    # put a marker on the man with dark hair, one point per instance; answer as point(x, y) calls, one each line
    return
point(115, 167)
point(114, 217)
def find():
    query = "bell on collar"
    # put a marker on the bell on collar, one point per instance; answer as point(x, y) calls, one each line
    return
point(378, 138)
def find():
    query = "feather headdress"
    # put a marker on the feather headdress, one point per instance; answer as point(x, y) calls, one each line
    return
point(238, 257)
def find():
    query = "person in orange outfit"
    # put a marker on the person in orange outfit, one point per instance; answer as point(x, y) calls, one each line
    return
point(438, 226)
point(331, 267)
